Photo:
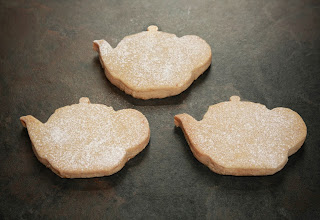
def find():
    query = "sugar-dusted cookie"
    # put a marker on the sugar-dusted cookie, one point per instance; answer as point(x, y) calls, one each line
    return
point(244, 138)
point(88, 140)
point(154, 64)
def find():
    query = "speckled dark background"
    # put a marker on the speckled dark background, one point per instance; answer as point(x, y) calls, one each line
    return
point(263, 51)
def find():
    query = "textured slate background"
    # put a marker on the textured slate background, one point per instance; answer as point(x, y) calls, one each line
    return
point(263, 51)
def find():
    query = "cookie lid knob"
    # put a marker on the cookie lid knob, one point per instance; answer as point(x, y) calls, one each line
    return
point(84, 100)
point(234, 98)
point(152, 28)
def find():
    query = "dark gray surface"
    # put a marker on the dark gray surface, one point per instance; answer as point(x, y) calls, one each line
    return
point(263, 51)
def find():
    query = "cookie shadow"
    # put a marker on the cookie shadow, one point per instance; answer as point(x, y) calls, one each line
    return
point(277, 181)
point(52, 180)
point(105, 183)
point(196, 165)
point(172, 100)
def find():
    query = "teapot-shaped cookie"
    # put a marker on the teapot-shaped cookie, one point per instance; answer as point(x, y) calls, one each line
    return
point(244, 138)
point(154, 64)
point(87, 140)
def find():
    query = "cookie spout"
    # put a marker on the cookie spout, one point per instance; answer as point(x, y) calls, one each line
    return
point(29, 120)
point(184, 121)
point(102, 47)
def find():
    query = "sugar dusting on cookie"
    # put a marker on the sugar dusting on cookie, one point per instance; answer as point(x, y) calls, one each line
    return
point(148, 61)
point(154, 60)
point(88, 137)
point(245, 138)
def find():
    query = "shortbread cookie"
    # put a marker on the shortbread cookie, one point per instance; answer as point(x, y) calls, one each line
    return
point(154, 64)
point(244, 138)
point(88, 140)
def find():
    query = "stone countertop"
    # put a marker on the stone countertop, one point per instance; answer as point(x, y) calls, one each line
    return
point(263, 51)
